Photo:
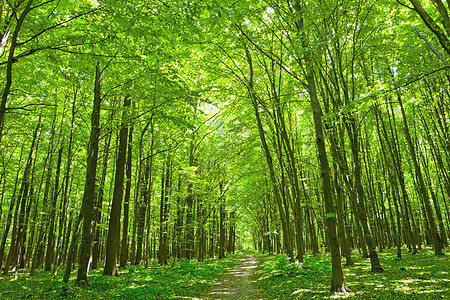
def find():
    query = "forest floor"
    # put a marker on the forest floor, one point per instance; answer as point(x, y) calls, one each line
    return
point(179, 280)
point(423, 276)
point(240, 276)
point(237, 283)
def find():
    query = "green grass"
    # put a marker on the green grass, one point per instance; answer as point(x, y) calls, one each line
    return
point(182, 280)
point(423, 276)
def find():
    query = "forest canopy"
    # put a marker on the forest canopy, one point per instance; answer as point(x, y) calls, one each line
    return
point(140, 131)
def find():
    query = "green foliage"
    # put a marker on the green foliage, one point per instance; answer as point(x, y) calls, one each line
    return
point(287, 268)
point(183, 279)
point(414, 277)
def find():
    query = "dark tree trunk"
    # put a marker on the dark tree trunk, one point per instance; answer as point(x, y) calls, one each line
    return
point(143, 200)
point(164, 213)
point(87, 208)
point(49, 256)
point(19, 215)
point(97, 228)
point(71, 255)
point(287, 239)
point(126, 202)
point(337, 277)
point(61, 254)
point(222, 217)
point(437, 242)
point(9, 64)
point(10, 214)
point(112, 242)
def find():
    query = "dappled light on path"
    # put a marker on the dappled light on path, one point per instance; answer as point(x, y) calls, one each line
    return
point(237, 283)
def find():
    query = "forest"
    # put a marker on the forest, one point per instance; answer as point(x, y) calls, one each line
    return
point(149, 147)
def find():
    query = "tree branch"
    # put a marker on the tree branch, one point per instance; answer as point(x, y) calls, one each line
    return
point(57, 25)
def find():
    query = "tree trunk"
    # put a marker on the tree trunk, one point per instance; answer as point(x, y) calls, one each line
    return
point(143, 200)
point(18, 227)
point(437, 242)
point(112, 242)
point(61, 255)
point(10, 214)
point(87, 207)
point(97, 225)
point(254, 100)
point(337, 277)
point(393, 185)
point(126, 203)
point(222, 224)
point(9, 65)
point(164, 213)
point(49, 256)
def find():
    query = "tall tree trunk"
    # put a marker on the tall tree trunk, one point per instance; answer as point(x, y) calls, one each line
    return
point(188, 247)
point(254, 100)
point(222, 217)
point(360, 199)
point(437, 242)
point(126, 202)
point(112, 242)
point(9, 64)
point(49, 256)
point(393, 185)
point(87, 207)
point(97, 226)
point(65, 197)
point(10, 215)
point(179, 223)
point(18, 229)
point(394, 151)
point(73, 246)
point(164, 213)
point(143, 200)
point(337, 277)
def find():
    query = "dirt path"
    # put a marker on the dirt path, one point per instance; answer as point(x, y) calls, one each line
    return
point(237, 283)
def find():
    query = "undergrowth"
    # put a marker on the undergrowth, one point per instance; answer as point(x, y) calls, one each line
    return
point(423, 276)
point(181, 280)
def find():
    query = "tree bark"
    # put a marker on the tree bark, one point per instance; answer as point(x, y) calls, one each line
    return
point(9, 64)
point(437, 242)
point(87, 207)
point(49, 256)
point(253, 97)
point(18, 227)
point(112, 243)
point(337, 277)
point(126, 202)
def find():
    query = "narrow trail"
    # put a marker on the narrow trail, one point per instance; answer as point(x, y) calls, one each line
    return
point(237, 283)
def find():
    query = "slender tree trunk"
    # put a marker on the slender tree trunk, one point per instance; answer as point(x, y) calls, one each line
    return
point(87, 208)
point(360, 200)
point(164, 214)
point(437, 242)
point(188, 247)
point(97, 226)
point(126, 203)
point(72, 248)
point(19, 215)
point(49, 256)
point(112, 242)
point(64, 202)
point(10, 216)
point(222, 224)
point(254, 100)
point(395, 154)
point(337, 277)
point(179, 223)
point(9, 64)
point(393, 185)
